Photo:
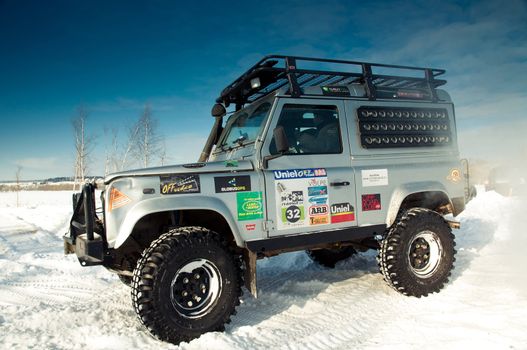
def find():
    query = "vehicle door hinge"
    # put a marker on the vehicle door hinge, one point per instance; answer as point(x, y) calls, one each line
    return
point(267, 225)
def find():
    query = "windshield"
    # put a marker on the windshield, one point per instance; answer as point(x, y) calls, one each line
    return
point(243, 128)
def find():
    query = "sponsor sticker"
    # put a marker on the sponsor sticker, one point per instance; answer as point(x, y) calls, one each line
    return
point(250, 227)
point(302, 197)
point(317, 191)
point(342, 212)
point(298, 174)
point(318, 210)
point(232, 183)
point(249, 205)
point(454, 176)
point(371, 202)
point(179, 184)
point(374, 177)
point(341, 91)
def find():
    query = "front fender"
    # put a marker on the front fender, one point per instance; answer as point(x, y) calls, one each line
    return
point(156, 205)
point(404, 190)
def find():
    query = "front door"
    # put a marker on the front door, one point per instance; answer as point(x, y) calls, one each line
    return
point(311, 188)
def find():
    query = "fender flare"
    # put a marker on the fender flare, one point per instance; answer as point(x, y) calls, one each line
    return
point(156, 205)
point(402, 191)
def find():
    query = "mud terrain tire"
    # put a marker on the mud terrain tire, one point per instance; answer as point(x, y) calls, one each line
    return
point(188, 282)
point(417, 255)
point(330, 257)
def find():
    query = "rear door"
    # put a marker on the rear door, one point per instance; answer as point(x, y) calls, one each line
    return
point(312, 187)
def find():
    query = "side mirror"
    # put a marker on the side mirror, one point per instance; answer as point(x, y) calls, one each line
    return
point(218, 110)
point(280, 138)
point(282, 145)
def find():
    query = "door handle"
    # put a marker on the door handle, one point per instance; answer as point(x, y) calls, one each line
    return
point(336, 184)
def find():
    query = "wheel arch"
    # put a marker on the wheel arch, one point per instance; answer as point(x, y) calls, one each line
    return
point(429, 195)
point(207, 212)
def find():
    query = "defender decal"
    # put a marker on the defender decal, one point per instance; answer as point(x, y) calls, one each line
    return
point(179, 184)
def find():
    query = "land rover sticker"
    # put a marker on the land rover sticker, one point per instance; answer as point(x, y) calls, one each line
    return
point(374, 177)
point(302, 198)
point(179, 184)
point(342, 212)
point(249, 205)
point(232, 183)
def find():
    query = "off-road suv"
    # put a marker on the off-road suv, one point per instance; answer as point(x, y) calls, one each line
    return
point(327, 156)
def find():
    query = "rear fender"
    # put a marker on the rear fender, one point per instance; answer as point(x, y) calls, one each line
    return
point(405, 190)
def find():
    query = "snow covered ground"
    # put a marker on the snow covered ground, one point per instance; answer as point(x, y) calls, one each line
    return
point(48, 301)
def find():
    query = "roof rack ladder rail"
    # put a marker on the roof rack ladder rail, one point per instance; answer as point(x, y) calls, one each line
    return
point(429, 74)
point(88, 210)
point(290, 67)
point(368, 81)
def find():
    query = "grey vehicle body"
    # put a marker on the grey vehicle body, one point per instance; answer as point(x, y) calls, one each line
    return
point(409, 171)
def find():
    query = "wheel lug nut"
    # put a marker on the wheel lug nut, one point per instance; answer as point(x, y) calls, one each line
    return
point(202, 286)
point(196, 276)
point(185, 280)
point(185, 293)
point(414, 255)
point(190, 303)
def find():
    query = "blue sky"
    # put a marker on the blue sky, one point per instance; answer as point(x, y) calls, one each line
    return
point(115, 56)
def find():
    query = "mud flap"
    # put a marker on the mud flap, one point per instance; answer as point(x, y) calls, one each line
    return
point(250, 272)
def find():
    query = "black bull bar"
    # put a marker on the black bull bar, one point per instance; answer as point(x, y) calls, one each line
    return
point(86, 237)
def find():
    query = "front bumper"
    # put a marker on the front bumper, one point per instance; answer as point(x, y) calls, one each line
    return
point(86, 237)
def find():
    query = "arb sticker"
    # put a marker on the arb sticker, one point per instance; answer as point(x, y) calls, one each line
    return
point(342, 212)
point(232, 183)
point(371, 202)
point(250, 205)
point(179, 184)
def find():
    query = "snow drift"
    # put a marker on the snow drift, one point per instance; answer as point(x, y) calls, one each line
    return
point(47, 300)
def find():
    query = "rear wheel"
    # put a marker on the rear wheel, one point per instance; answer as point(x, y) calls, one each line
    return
point(188, 282)
point(417, 255)
point(330, 257)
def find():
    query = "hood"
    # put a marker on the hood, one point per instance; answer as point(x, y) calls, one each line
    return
point(225, 166)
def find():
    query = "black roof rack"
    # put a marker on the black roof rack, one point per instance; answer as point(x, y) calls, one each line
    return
point(276, 71)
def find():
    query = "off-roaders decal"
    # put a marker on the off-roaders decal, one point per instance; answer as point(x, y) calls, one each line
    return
point(342, 212)
point(249, 205)
point(179, 184)
point(374, 177)
point(371, 202)
point(232, 183)
point(302, 198)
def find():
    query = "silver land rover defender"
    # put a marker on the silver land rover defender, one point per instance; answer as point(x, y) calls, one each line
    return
point(327, 156)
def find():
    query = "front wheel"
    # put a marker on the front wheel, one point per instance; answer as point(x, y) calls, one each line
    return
point(186, 283)
point(417, 255)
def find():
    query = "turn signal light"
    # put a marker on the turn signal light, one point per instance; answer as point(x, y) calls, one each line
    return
point(117, 199)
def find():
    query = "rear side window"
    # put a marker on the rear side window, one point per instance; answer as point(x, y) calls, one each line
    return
point(310, 129)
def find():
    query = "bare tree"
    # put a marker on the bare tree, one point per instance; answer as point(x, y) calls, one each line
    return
point(83, 145)
point(146, 144)
point(18, 172)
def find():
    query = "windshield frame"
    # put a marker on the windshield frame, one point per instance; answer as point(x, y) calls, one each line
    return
point(222, 145)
